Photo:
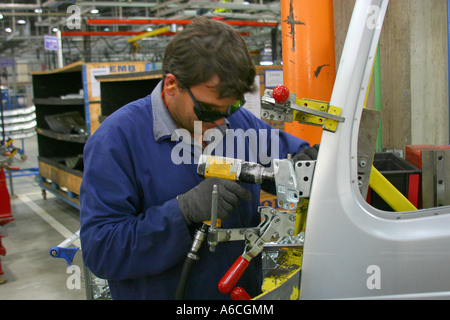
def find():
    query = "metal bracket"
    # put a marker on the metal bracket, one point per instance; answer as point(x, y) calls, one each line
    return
point(318, 113)
point(367, 140)
point(435, 178)
point(274, 224)
point(286, 184)
point(304, 171)
point(307, 111)
point(442, 165)
point(281, 224)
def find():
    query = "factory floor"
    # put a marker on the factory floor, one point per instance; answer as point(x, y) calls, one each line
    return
point(40, 224)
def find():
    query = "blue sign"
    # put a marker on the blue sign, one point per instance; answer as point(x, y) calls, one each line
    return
point(7, 62)
point(51, 43)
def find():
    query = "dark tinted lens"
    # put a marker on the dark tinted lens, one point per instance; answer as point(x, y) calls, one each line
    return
point(206, 113)
point(209, 116)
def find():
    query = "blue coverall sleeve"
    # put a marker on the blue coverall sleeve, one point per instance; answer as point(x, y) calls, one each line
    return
point(120, 239)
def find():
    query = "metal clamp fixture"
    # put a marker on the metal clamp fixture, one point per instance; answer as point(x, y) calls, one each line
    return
point(308, 111)
point(292, 182)
point(275, 224)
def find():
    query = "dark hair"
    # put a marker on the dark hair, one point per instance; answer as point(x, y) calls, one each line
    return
point(207, 47)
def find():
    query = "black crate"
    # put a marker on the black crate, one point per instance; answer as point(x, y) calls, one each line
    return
point(397, 171)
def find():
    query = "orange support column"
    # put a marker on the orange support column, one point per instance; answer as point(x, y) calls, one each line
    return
point(309, 67)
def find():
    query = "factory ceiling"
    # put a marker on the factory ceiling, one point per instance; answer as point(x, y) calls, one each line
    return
point(101, 30)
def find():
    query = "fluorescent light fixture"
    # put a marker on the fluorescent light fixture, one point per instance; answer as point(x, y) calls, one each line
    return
point(8, 29)
point(21, 21)
point(55, 29)
point(38, 10)
point(94, 11)
point(266, 63)
point(1, 16)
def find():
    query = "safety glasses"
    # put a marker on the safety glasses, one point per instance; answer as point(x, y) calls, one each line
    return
point(206, 112)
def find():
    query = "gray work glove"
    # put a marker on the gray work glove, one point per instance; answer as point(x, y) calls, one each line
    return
point(309, 153)
point(195, 205)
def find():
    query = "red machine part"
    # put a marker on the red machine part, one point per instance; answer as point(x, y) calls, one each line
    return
point(229, 280)
point(5, 214)
point(280, 94)
point(2, 253)
point(239, 294)
point(5, 201)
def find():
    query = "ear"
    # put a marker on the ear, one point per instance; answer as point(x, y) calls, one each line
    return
point(170, 82)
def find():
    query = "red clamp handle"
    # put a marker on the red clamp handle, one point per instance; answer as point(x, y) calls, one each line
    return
point(229, 280)
point(239, 294)
point(280, 94)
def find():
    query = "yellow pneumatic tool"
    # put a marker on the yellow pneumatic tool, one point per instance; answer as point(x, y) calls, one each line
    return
point(233, 169)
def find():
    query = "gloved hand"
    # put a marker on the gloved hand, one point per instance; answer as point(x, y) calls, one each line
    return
point(307, 154)
point(195, 205)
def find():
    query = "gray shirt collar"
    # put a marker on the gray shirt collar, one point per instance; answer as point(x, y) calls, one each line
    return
point(163, 123)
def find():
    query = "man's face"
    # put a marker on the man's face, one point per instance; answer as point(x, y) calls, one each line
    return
point(181, 104)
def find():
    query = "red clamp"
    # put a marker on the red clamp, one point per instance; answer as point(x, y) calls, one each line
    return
point(229, 280)
point(239, 294)
point(280, 94)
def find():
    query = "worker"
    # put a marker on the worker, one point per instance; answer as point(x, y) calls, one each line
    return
point(139, 207)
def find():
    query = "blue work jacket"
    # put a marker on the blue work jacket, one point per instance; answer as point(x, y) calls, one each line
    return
point(132, 230)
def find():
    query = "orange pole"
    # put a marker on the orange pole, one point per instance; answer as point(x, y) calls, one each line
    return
point(309, 67)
